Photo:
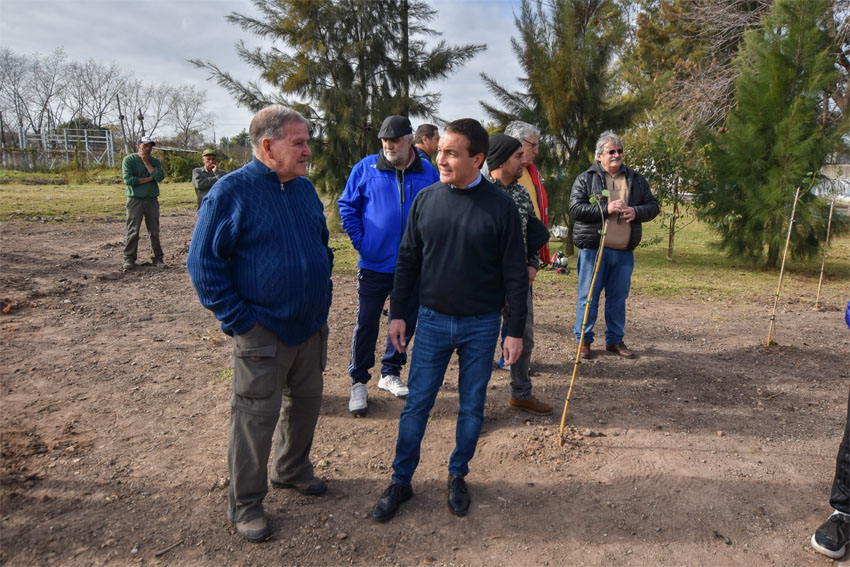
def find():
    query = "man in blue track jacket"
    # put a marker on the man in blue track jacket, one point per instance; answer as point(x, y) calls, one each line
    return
point(373, 209)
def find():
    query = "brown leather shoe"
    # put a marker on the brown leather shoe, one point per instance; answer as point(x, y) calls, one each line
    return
point(621, 349)
point(532, 405)
point(585, 351)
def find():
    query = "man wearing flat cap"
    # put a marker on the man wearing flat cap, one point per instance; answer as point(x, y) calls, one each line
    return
point(141, 172)
point(203, 178)
point(374, 208)
point(505, 163)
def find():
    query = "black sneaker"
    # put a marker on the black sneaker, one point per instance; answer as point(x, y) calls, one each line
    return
point(832, 537)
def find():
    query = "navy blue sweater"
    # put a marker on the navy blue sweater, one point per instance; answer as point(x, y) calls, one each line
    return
point(260, 253)
point(464, 246)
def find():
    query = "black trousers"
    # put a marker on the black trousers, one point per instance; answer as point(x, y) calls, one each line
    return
point(373, 288)
point(840, 498)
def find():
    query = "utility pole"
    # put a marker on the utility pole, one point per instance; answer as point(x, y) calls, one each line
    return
point(121, 120)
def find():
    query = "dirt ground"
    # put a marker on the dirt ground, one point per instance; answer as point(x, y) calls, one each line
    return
point(708, 449)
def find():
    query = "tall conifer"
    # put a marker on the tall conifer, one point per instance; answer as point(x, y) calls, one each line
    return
point(344, 64)
point(568, 50)
point(773, 138)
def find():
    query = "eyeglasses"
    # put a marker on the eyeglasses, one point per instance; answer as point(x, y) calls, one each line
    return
point(532, 144)
point(618, 151)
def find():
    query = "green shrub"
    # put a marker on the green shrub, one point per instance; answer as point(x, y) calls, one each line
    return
point(178, 166)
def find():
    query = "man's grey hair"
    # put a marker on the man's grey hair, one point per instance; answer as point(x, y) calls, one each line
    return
point(521, 130)
point(608, 137)
point(270, 122)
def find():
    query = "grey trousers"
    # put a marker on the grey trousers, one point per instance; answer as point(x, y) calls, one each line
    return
point(137, 209)
point(520, 380)
point(277, 394)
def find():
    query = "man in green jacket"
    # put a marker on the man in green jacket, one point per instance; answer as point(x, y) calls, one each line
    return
point(141, 172)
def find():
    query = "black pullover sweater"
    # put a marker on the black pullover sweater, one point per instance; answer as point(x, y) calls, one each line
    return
point(465, 248)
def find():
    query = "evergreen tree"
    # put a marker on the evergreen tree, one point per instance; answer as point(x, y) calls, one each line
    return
point(666, 42)
point(773, 138)
point(568, 51)
point(345, 65)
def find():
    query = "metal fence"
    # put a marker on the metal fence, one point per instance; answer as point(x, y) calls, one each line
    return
point(53, 148)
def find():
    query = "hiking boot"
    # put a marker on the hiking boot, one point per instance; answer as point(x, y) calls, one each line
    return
point(393, 385)
point(832, 537)
point(532, 405)
point(313, 487)
point(387, 505)
point(128, 266)
point(255, 531)
point(585, 351)
point(159, 263)
point(357, 402)
point(620, 348)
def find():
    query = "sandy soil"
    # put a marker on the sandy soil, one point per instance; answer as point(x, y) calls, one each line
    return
point(709, 449)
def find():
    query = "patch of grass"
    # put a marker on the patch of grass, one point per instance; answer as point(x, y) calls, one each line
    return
point(699, 270)
point(90, 200)
point(345, 256)
point(224, 376)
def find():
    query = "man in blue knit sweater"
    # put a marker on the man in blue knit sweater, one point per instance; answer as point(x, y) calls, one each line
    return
point(260, 260)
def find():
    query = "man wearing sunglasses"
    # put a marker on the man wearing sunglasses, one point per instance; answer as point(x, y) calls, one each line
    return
point(629, 203)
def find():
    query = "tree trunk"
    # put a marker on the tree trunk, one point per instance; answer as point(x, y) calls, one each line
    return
point(672, 233)
point(569, 246)
point(772, 255)
point(405, 57)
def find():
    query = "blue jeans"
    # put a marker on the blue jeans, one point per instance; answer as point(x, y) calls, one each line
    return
point(437, 337)
point(615, 276)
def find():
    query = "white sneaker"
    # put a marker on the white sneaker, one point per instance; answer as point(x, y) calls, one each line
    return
point(357, 402)
point(393, 385)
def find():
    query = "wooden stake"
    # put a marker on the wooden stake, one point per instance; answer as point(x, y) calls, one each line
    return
point(583, 325)
point(782, 270)
point(825, 246)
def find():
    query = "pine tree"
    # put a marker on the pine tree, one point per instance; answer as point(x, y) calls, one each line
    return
point(567, 51)
point(345, 65)
point(773, 138)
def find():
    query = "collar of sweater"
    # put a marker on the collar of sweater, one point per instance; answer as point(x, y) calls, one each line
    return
point(414, 167)
point(256, 167)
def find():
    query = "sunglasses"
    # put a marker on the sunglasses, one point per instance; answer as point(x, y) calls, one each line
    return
point(615, 152)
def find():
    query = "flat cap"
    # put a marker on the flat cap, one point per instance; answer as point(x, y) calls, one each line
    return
point(395, 126)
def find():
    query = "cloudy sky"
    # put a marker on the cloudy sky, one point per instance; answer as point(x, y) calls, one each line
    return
point(153, 38)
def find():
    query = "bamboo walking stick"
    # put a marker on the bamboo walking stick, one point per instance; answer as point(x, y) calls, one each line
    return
point(583, 325)
point(782, 270)
point(825, 246)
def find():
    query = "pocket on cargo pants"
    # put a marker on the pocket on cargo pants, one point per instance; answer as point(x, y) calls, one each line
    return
point(254, 363)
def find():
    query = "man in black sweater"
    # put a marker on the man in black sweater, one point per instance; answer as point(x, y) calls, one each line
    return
point(464, 245)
